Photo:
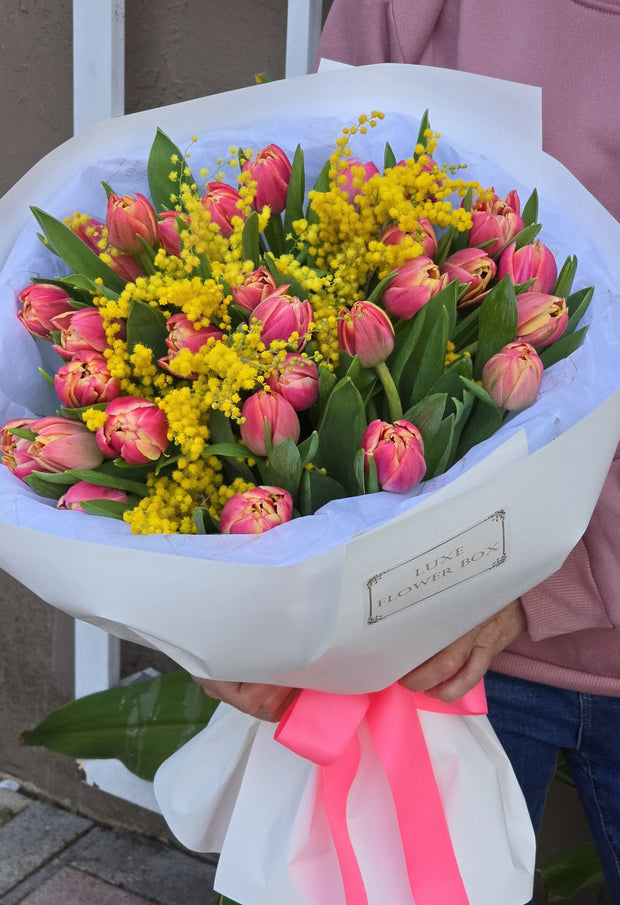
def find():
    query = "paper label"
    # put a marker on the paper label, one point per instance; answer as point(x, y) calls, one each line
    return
point(475, 550)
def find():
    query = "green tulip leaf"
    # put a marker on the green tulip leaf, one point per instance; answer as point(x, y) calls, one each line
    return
point(377, 293)
point(422, 139)
point(389, 158)
point(564, 347)
point(140, 725)
point(165, 159)
point(341, 428)
point(427, 415)
point(106, 508)
point(530, 209)
point(449, 383)
point(283, 467)
point(526, 236)
point(577, 305)
point(484, 420)
point(250, 240)
point(221, 433)
point(42, 487)
point(308, 449)
point(146, 326)
point(75, 253)
point(228, 450)
point(294, 209)
point(566, 276)
point(80, 282)
point(316, 489)
point(102, 477)
point(401, 363)
point(497, 323)
point(572, 870)
point(431, 359)
point(204, 521)
point(321, 185)
point(283, 279)
point(438, 447)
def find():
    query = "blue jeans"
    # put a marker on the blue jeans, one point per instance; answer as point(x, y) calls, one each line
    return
point(534, 722)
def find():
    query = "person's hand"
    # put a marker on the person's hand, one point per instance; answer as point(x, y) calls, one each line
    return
point(457, 668)
point(265, 702)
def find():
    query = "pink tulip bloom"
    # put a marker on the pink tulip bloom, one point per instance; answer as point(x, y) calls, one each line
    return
point(512, 376)
point(256, 286)
point(94, 235)
point(365, 330)
point(533, 261)
point(15, 450)
point(62, 443)
point(85, 380)
point(415, 283)
point(353, 175)
point(474, 267)
point(83, 492)
point(256, 511)
point(135, 429)
point(398, 452)
point(297, 379)
point(495, 221)
point(168, 232)
point(270, 169)
point(183, 334)
point(129, 220)
point(542, 318)
point(281, 316)
point(80, 331)
point(279, 415)
point(42, 302)
point(223, 203)
point(425, 235)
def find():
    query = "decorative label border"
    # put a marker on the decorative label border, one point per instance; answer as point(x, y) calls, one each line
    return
point(477, 549)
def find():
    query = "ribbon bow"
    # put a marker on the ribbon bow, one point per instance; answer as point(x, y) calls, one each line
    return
point(322, 728)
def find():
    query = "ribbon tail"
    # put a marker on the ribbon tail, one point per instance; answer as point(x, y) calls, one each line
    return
point(434, 876)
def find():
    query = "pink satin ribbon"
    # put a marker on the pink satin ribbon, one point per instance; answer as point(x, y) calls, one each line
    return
point(322, 728)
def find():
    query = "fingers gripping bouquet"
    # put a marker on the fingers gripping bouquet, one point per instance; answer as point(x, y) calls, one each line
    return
point(324, 401)
point(232, 356)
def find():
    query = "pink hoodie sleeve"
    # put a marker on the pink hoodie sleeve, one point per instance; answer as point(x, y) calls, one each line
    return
point(583, 593)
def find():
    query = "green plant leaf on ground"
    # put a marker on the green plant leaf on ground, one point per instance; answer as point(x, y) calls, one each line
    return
point(571, 870)
point(140, 725)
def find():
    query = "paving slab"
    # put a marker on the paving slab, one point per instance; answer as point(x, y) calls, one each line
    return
point(145, 867)
point(11, 803)
point(72, 887)
point(35, 835)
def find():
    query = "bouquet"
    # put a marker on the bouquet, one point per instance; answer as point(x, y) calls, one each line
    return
point(363, 585)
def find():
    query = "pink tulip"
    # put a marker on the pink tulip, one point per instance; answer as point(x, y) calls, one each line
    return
point(134, 429)
point(495, 221)
point(129, 220)
point(42, 302)
point(365, 330)
point(474, 267)
point(425, 235)
point(415, 283)
point(512, 376)
point(281, 316)
point(542, 318)
point(533, 261)
point(94, 235)
point(256, 511)
point(256, 286)
point(223, 203)
point(80, 331)
point(168, 232)
point(398, 452)
point(270, 169)
point(61, 444)
point(353, 175)
point(297, 379)
point(86, 380)
point(280, 416)
point(83, 492)
point(15, 450)
point(182, 334)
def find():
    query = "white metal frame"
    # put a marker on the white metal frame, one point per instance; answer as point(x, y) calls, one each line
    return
point(99, 93)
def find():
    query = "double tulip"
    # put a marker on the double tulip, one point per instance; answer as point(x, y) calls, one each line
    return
point(353, 176)
point(183, 334)
point(267, 411)
point(531, 262)
point(85, 380)
point(134, 429)
point(15, 450)
point(84, 492)
point(256, 511)
point(365, 330)
point(41, 303)
point(255, 287)
point(270, 169)
point(223, 203)
point(496, 222)
point(95, 235)
point(297, 379)
point(282, 316)
point(414, 284)
point(168, 231)
point(130, 221)
point(80, 331)
point(512, 376)
point(424, 235)
point(398, 453)
point(474, 268)
point(59, 444)
point(542, 318)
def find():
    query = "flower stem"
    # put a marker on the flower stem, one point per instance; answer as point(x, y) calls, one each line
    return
point(391, 393)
